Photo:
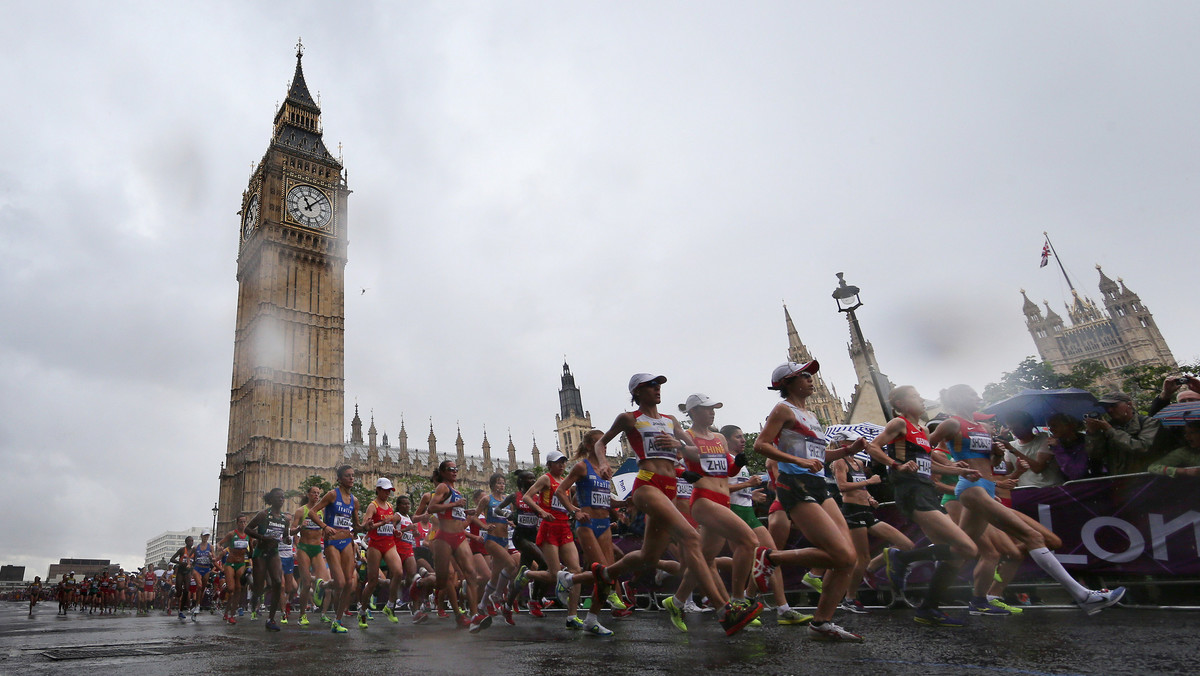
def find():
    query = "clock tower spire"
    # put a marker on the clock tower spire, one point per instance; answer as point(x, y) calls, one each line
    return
point(286, 408)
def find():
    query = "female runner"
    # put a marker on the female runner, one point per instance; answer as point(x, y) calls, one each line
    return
point(858, 507)
point(183, 560)
point(380, 523)
point(336, 513)
point(205, 556)
point(710, 509)
point(657, 439)
point(496, 545)
point(524, 536)
point(794, 438)
point(309, 557)
point(271, 525)
point(556, 540)
point(406, 540)
point(969, 441)
point(451, 540)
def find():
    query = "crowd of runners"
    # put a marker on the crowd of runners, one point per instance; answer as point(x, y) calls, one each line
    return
point(494, 555)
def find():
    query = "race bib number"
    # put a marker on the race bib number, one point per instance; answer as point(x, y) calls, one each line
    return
point(653, 450)
point(815, 449)
point(924, 466)
point(286, 552)
point(407, 536)
point(683, 489)
point(714, 465)
point(459, 513)
point(386, 529)
point(241, 544)
point(601, 499)
point(858, 477)
point(527, 520)
point(556, 505)
point(274, 532)
point(341, 522)
point(981, 442)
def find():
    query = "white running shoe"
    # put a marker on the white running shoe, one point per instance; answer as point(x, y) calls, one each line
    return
point(691, 607)
point(831, 632)
point(596, 629)
point(1099, 600)
point(562, 588)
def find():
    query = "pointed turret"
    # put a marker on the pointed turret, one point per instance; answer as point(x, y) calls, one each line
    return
point(1030, 308)
point(356, 436)
point(512, 454)
point(298, 120)
point(537, 456)
point(1108, 288)
point(828, 407)
point(372, 449)
point(487, 453)
point(432, 440)
point(461, 452)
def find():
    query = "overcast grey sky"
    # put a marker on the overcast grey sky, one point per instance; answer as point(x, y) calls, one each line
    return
point(637, 186)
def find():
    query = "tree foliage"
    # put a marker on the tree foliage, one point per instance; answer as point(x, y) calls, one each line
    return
point(756, 463)
point(1141, 382)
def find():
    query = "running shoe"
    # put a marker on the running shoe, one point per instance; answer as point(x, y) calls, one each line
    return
point(692, 607)
point(597, 629)
point(854, 606)
point(362, 621)
point(622, 613)
point(756, 622)
point(763, 569)
point(736, 615)
point(521, 579)
point(507, 612)
point(999, 603)
point(490, 608)
point(391, 615)
point(283, 620)
point(895, 570)
point(629, 593)
point(271, 626)
point(811, 581)
point(480, 622)
point(936, 618)
point(303, 620)
point(253, 615)
point(336, 627)
point(600, 589)
point(241, 612)
point(232, 619)
point(535, 609)
point(676, 613)
point(829, 631)
point(986, 609)
point(574, 623)
point(792, 616)
point(562, 587)
point(996, 575)
point(462, 621)
point(319, 591)
point(324, 618)
point(1099, 600)
point(420, 617)
point(182, 617)
point(370, 616)
point(615, 601)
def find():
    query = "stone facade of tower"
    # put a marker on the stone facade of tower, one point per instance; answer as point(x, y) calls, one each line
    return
point(287, 396)
point(1123, 333)
point(408, 468)
point(864, 403)
point(572, 421)
point(828, 407)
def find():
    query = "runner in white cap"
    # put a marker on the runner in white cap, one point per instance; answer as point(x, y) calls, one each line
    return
point(379, 521)
point(794, 438)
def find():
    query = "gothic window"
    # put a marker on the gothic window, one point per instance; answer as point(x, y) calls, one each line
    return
point(1120, 311)
point(1145, 322)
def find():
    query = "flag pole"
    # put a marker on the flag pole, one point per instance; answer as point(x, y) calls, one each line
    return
point(1058, 260)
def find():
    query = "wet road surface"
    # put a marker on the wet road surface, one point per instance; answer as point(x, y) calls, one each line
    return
point(1041, 641)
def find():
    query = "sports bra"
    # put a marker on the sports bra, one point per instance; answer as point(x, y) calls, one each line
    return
point(458, 513)
point(804, 438)
point(714, 461)
point(974, 441)
point(914, 446)
point(548, 501)
point(642, 441)
point(592, 490)
point(338, 513)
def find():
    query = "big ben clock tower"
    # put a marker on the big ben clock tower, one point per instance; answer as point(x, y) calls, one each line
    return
point(286, 402)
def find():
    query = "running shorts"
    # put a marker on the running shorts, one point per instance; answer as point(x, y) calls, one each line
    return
point(452, 539)
point(858, 516)
point(557, 533)
point(712, 496)
point(986, 484)
point(748, 515)
point(913, 495)
point(645, 477)
point(794, 489)
point(597, 526)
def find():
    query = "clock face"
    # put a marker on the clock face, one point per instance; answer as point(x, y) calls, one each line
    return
point(250, 217)
point(309, 206)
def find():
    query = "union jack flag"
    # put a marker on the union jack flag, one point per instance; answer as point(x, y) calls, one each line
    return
point(1045, 254)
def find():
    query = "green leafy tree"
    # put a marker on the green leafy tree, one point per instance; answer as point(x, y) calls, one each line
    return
point(1030, 374)
point(313, 480)
point(755, 462)
point(1088, 374)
